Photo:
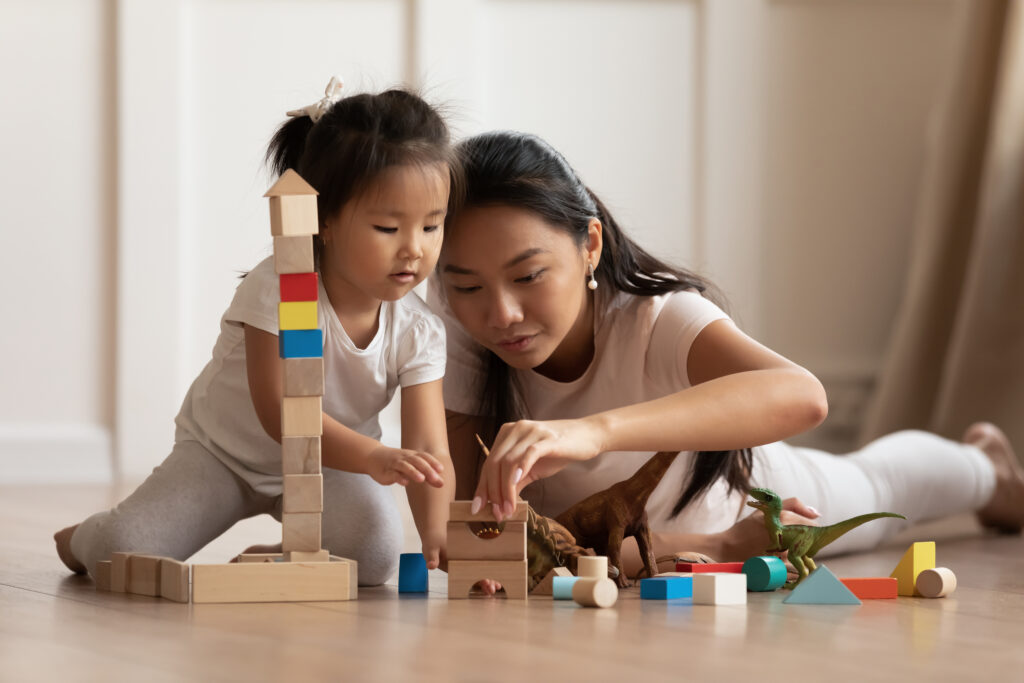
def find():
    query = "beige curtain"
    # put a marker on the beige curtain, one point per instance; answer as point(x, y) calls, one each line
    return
point(957, 349)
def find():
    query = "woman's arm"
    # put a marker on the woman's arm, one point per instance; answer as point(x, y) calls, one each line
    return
point(423, 429)
point(742, 395)
point(341, 448)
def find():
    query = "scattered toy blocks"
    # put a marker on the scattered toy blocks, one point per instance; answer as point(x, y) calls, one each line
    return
point(545, 587)
point(710, 567)
point(119, 572)
point(144, 575)
point(271, 582)
point(412, 573)
point(174, 580)
point(764, 573)
point(467, 566)
point(821, 587)
point(595, 592)
point(561, 587)
point(919, 556)
point(727, 588)
point(666, 588)
point(592, 566)
point(937, 582)
point(873, 587)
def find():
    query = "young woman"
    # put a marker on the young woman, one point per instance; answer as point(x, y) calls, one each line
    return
point(578, 355)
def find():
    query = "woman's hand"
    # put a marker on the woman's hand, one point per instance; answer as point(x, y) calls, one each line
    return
point(748, 537)
point(528, 450)
point(403, 466)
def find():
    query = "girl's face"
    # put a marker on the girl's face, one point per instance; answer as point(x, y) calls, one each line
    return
point(387, 239)
point(518, 286)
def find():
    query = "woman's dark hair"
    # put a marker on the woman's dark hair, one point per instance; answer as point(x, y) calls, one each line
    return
point(520, 170)
point(356, 139)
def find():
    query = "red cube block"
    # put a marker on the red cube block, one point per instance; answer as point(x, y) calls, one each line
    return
point(299, 287)
point(713, 567)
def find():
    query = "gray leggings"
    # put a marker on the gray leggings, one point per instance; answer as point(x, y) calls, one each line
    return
point(192, 498)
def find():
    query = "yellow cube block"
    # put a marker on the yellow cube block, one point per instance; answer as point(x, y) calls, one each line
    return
point(297, 315)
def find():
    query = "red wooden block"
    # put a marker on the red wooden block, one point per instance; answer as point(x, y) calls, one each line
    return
point(874, 587)
point(299, 287)
point(698, 568)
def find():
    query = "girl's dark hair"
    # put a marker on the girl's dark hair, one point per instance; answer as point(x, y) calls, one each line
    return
point(356, 139)
point(516, 169)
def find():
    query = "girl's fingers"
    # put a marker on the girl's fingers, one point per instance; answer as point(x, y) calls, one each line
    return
point(409, 471)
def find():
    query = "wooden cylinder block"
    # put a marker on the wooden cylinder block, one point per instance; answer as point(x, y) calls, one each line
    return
point(592, 567)
point(595, 592)
point(936, 583)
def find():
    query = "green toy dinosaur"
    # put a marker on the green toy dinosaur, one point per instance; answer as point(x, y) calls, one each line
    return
point(803, 542)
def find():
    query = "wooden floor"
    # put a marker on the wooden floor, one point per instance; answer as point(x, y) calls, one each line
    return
point(55, 626)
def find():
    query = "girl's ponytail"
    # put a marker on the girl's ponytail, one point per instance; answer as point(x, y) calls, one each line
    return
point(288, 144)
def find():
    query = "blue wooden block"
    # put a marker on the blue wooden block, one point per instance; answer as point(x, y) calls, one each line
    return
point(822, 588)
point(561, 587)
point(765, 573)
point(412, 573)
point(666, 588)
point(301, 343)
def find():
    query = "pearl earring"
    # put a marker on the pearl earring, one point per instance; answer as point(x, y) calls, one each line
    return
point(592, 283)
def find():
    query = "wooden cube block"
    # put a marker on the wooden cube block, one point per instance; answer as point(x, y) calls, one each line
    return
point(300, 455)
point(271, 582)
point(293, 254)
point(510, 544)
point(547, 583)
point(590, 592)
point(260, 557)
point(303, 376)
point(293, 215)
point(300, 343)
point(463, 574)
point(592, 567)
point(719, 589)
point(353, 580)
point(174, 583)
point(144, 575)
point(119, 569)
point(303, 493)
point(301, 416)
point(102, 575)
point(460, 511)
point(297, 315)
point(300, 531)
point(299, 286)
point(308, 556)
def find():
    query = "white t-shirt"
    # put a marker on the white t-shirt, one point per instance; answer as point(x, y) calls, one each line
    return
point(408, 349)
point(641, 345)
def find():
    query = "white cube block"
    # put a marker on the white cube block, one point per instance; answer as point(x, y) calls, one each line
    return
point(719, 589)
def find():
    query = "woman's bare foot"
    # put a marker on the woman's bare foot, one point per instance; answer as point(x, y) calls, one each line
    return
point(63, 540)
point(260, 550)
point(1005, 511)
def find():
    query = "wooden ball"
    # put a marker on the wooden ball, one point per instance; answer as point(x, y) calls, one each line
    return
point(936, 583)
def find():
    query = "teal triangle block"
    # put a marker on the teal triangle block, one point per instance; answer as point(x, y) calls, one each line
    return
point(822, 588)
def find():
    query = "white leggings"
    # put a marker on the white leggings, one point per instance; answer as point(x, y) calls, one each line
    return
point(916, 474)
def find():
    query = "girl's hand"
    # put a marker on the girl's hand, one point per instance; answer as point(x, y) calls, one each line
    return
point(526, 451)
point(748, 537)
point(403, 466)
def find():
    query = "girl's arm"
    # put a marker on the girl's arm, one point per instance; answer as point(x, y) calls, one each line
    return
point(423, 429)
point(341, 448)
point(742, 395)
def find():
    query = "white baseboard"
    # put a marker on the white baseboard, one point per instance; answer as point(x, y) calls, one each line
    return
point(55, 453)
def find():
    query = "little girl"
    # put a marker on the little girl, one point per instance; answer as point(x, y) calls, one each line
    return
point(383, 167)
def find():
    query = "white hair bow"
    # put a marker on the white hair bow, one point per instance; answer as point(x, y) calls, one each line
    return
point(331, 95)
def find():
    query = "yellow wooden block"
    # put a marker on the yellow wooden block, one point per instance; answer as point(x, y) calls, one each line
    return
point(293, 215)
point(301, 416)
point(303, 493)
point(101, 576)
point(297, 315)
point(300, 531)
point(308, 556)
point(463, 574)
point(271, 582)
point(174, 580)
point(300, 455)
point(303, 376)
point(464, 544)
point(293, 254)
point(460, 511)
point(919, 556)
point(144, 575)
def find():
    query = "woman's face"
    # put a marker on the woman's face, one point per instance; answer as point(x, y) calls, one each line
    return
point(518, 285)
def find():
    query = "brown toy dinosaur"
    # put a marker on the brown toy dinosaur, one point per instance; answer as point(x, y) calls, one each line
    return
point(604, 519)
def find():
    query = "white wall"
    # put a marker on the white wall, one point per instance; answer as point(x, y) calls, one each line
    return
point(775, 145)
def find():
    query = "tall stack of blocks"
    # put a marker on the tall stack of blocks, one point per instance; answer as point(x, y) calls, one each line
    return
point(473, 557)
point(293, 223)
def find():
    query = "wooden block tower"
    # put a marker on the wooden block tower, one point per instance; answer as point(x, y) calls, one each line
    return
point(480, 548)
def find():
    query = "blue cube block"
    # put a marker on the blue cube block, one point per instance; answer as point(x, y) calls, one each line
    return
point(412, 573)
point(666, 588)
point(561, 587)
point(301, 343)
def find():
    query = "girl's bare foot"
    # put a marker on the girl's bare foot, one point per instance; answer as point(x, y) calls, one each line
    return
point(1005, 510)
point(63, 540)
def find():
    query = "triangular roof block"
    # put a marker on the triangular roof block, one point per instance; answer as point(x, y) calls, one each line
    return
point(919, 556)
point(290, 183)
point(822, 588)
